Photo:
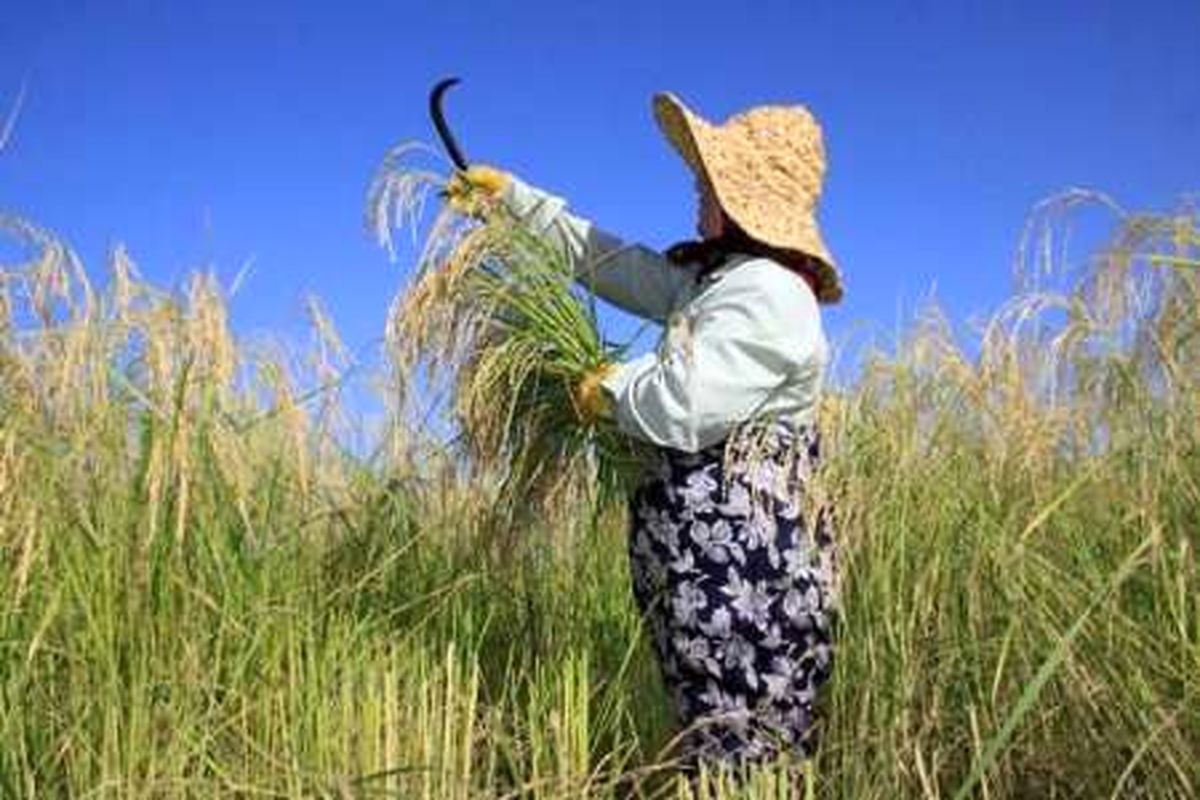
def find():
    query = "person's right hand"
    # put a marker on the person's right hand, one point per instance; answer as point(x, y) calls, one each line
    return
point(467, 188)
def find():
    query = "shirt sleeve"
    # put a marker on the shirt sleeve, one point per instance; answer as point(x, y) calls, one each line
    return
point(633, 277)
point(722, 358)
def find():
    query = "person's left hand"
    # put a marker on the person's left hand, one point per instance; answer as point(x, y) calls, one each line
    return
point(592, 402)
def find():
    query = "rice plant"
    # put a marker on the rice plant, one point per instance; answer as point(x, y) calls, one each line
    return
point(1019, 542)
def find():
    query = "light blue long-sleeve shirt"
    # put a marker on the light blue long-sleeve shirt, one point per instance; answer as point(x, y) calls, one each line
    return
point(745, 341)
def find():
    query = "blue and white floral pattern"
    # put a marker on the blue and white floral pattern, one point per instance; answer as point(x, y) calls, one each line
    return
point(739, 592)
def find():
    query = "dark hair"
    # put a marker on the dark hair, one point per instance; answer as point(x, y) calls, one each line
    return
point(710, 254)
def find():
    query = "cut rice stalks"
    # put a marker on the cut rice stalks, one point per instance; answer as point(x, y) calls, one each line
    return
point(494, 332)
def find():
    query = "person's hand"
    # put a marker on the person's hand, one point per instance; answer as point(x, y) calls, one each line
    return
point(467, 188)
point(592, 402)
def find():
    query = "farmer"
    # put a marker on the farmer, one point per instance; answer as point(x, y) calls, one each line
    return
point(734, 571)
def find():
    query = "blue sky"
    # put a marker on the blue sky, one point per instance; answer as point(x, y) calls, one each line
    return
point(207, 135)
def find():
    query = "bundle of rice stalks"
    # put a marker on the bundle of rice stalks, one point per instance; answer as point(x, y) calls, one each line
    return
point(493, 331)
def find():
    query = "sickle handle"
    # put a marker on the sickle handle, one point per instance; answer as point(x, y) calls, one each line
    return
point(439, 122)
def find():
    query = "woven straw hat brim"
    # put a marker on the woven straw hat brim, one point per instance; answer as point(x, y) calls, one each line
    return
point(759, 162)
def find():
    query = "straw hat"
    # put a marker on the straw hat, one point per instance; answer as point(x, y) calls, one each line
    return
point(766, 166)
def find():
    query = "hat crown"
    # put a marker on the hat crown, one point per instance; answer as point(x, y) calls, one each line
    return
point(789, 143)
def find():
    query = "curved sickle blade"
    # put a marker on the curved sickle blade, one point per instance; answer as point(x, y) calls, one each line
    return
point(439, 122)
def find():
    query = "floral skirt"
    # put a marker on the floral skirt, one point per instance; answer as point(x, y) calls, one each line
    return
point(737, 584)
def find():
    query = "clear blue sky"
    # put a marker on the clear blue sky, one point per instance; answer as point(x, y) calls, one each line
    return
point(206, 134)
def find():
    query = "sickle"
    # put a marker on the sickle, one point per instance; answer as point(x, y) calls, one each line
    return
point(439, 122)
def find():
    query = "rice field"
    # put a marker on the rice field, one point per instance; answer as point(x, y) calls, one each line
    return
point(206, 592)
